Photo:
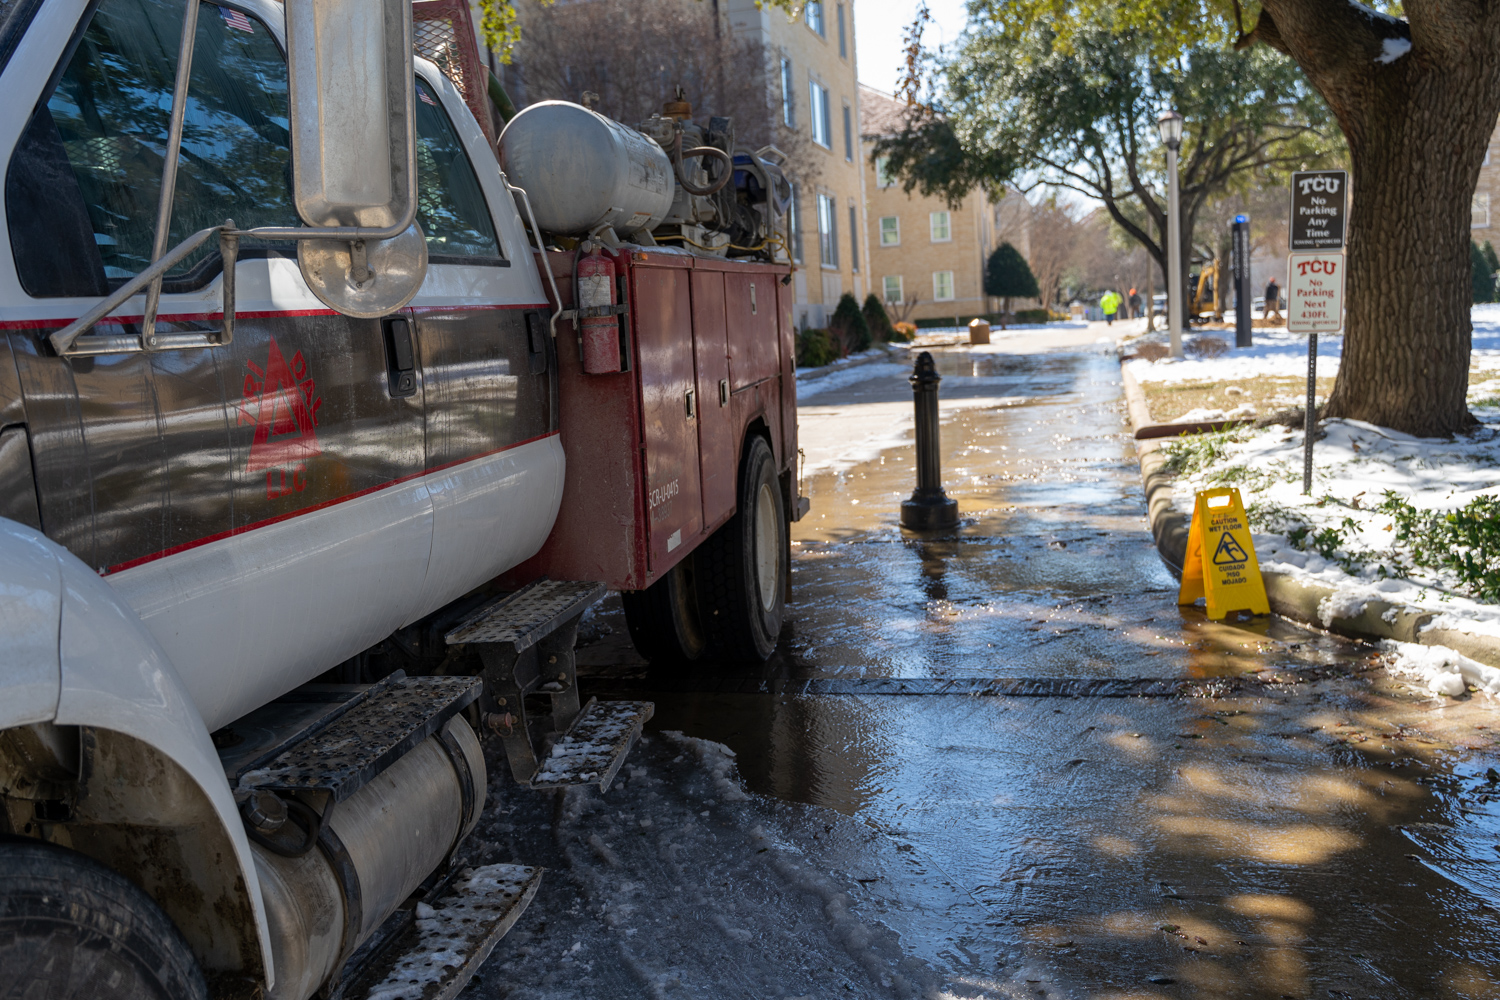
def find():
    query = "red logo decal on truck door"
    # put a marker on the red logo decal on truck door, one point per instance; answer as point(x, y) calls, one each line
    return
point(281, 401)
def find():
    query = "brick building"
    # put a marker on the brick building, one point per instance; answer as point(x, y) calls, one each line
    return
point(927, 259)
point(809, 74)
point(1484, 210)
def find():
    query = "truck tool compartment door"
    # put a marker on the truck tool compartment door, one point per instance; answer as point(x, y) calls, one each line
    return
point(493, 459)
point(260, 504)
point(669, 409)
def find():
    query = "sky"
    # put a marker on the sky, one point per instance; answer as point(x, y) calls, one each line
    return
point(877, 35)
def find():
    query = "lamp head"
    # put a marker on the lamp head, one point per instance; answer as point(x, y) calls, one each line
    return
point(1170, 124)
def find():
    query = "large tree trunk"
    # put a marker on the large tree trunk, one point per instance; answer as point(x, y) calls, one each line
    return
point(1417, 126)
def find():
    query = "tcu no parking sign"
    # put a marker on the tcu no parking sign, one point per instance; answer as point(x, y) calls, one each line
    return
point(1315, 292)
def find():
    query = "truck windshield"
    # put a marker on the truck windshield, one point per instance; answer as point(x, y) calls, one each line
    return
point(82, 186)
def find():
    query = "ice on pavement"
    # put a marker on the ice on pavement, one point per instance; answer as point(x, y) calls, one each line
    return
point(677, 882)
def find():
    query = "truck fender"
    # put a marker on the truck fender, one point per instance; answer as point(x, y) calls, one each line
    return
point(153, 802)
point(30, 609)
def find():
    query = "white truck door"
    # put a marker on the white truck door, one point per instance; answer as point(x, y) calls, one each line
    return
point(260, 505)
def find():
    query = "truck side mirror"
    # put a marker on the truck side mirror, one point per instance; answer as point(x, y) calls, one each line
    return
point(354, 153)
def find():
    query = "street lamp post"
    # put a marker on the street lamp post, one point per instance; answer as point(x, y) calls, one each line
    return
point(1170, 124)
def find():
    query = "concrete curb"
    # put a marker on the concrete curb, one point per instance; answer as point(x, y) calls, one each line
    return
point(1290, 597)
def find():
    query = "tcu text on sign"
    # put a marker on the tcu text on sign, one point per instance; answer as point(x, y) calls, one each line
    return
point(1319, 206)
point(1315, 292)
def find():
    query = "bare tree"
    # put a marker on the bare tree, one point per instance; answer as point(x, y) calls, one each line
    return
point(904, 308)
point(1054, 241)
point(634, 54)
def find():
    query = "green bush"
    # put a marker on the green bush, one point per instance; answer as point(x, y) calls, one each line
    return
point(1481, 274)
point(1465, 541)
point(877, 319)
point(815, 349)
point(848, 325)
point(1033, 316)
point(1007, 275)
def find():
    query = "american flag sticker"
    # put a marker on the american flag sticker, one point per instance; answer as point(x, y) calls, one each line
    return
point(425, 99)
point(236, 20)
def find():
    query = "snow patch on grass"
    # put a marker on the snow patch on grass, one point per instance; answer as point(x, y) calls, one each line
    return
point(1347, 533)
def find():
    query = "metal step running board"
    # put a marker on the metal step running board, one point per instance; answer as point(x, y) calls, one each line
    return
point(367, 735)
point(595, 746)
point(444, 943)
point(522, 619)
point(525, 641)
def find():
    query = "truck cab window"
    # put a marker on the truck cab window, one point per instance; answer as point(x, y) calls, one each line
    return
point(107, 121)
point(450, 205)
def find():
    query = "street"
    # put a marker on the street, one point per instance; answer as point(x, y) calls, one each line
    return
point(1002, 762)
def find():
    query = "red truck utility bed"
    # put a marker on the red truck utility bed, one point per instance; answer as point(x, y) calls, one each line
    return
point(653, 452)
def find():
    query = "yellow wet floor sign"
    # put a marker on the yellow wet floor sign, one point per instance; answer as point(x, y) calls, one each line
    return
point(1221, 565)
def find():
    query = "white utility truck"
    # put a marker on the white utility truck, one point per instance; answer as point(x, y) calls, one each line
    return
point(325, 414)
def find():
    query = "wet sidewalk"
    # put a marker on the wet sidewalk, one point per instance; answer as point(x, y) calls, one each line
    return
point(1124, 801)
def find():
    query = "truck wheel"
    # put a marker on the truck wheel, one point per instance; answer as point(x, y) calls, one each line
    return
point(71, 928)
point(663, 618)
point(742, 566)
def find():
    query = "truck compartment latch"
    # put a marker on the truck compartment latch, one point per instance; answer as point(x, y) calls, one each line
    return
point(525, 641)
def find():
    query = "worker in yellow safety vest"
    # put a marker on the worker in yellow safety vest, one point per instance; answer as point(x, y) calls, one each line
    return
point(1110, 304)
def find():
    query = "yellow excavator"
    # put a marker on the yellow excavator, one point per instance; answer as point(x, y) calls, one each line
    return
point(1205, 285)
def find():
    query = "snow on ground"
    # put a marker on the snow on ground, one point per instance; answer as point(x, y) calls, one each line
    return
point(677, 882)
point(1444, 671)
point(1338, 535)
point(841, 377)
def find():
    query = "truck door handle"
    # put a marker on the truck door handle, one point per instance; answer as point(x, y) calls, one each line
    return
point(692, 409)
point(400, 358)
point(723, 392)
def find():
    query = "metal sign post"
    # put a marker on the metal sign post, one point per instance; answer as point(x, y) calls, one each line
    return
point(1309, 415)
point(1315, 277)
point(1241, 269)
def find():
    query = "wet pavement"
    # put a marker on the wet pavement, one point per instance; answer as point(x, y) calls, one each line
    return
point(1003, 762)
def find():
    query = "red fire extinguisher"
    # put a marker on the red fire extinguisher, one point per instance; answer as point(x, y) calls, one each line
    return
point(599, 331)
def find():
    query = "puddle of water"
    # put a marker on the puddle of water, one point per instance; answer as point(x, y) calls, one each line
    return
point(1291, 843)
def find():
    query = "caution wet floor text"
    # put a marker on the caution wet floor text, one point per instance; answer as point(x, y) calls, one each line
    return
point(1221, 566)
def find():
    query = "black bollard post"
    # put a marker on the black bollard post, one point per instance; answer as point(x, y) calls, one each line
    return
point(929, 508)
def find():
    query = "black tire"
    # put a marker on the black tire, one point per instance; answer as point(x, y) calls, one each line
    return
point(70, 927)
point(663, 618)
point(741, 568)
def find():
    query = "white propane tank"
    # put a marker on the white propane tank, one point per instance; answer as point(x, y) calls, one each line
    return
point(582, 170)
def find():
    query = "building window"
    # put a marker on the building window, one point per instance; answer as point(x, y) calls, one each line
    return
point(813, 15)
point(843, 39)
point(828, 231)
point(892, 289)
point(853, 240)
point(1479, 211)
point(942, 286)
point(794, 225)
point(818, 109)
point(942, 227)
point(890, 231)
point(848, 133)
point(788, 114)
point(883, 176)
